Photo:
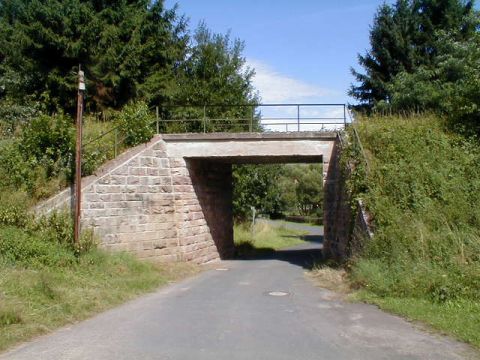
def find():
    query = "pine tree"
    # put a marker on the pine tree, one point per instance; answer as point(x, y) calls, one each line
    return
point(128, 48)
point(403, 38)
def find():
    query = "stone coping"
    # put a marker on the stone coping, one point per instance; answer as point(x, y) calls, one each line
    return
point(246, 136)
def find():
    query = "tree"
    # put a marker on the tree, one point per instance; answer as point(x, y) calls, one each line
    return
point(451, 87)
point(255, 186)
point(301, 189)
point(214, 72)
point(390, 39)
point(128, 48)
point(402, 39)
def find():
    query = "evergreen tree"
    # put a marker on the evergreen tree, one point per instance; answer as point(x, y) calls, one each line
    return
point(403, 38)
point(390, 38)
point(127, 47)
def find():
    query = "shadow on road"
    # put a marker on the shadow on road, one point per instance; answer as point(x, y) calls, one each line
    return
point(304, 255)
point(309, 238)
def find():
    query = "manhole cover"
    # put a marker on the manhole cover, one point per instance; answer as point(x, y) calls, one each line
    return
point(278, 293)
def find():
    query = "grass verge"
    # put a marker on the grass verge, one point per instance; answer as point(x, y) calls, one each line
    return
point(35, 300)
point(459, 319)
point(264, 238)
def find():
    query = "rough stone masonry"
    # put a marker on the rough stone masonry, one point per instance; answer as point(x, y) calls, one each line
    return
point(171, 199)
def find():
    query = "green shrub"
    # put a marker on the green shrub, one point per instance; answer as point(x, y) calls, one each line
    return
point(136, 123)
point(15, 170)
point(9, 317)
point(13, 209)
point(39, 161)
point(50, 141)
point(29, 249)
point(56, 227)
point(14, 115)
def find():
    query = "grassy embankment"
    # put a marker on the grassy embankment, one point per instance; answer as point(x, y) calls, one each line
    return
point(423, 191)
point(264, 238)
point(45, 284)
point(46, 281)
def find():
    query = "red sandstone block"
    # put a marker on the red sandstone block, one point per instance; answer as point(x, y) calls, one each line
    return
point(134, 162)
point(164, 188)
point(118, 180)
point(139, 171)
point(123, 170)
point(96, 205)
point(134, 197)
point(129, 189)
point(185, 196)
point(153, 172)
point(164, 164)
point(181, 171)
point(182, 180)
point(196, 216)
point(91, 197)
point(160, 153)
point(183, 188)
point(177, 162)
point(149, 161)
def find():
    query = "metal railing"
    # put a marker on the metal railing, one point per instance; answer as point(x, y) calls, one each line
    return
point(251, 117)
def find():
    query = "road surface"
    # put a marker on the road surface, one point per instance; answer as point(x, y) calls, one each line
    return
point(236, 311)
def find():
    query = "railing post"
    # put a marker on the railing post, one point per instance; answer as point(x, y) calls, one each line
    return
point(251, 120)
point(298, 118)
point(345, 115)
point(158, 118)
point(204, 118)
point(115, 151)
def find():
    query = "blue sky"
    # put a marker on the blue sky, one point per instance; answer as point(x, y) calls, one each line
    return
point(301, 50)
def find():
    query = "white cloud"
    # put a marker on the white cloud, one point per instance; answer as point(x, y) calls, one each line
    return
point(275, 87)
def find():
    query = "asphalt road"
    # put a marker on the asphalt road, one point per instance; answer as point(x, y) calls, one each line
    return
point(227, 313)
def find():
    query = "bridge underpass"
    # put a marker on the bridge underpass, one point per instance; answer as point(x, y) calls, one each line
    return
point(171, 199)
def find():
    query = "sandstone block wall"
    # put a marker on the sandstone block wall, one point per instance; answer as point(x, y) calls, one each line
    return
point(344, 234)
point(336, 220)
point(145, 203)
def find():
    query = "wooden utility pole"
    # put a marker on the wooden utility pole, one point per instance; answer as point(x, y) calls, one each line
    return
point(78, 155)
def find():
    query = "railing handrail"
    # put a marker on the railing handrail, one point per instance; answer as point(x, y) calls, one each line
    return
point(249, 105)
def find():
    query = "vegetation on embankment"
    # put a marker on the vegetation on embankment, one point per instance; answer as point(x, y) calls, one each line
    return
point(45, 283)
point(423, 191)
point(264, 238)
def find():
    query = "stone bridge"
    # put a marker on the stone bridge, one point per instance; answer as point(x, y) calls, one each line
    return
point(171, 199)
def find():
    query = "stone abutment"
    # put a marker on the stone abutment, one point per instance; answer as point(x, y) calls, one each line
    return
point(171, 199)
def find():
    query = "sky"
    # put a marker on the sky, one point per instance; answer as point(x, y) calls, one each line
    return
point(301, 50)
